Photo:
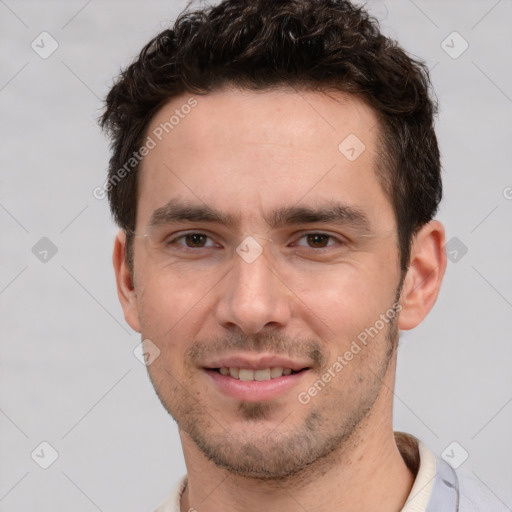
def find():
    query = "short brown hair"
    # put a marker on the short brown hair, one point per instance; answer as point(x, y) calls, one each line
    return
point(320, 45)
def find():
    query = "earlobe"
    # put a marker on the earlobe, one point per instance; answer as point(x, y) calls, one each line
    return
point(124, 280)
point(424, 276)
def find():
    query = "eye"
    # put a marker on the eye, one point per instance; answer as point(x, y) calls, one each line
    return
point(318, 240)
point(192, 241)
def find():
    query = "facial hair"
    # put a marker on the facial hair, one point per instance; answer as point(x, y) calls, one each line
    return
point(282, 452)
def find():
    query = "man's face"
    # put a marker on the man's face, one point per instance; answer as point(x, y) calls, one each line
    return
point(308, 262)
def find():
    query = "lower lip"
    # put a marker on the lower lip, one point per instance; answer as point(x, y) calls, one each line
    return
point(254, 390)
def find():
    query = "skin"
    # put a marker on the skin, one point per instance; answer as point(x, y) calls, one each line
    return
point(247, 154)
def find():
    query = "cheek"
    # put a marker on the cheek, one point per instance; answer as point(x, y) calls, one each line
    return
point(346, 298)
point(168, 302)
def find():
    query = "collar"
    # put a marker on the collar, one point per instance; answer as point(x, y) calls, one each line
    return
point(436, 486)
point(422, 462)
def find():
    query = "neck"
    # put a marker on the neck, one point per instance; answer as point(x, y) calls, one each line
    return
point(366, 473)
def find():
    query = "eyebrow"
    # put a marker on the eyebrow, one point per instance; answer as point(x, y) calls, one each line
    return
point(176, 211)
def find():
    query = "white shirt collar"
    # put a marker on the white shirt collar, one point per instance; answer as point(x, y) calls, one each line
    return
point(423, 483)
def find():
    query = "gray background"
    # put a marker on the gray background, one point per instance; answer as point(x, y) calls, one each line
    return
point(68, 375)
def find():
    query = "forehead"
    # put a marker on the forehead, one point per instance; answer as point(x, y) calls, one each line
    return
point(272, 117)
point(246, 150)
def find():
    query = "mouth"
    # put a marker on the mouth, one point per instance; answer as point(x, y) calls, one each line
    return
point(256, 380)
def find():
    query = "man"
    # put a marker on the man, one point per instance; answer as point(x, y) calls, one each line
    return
point(275, 174)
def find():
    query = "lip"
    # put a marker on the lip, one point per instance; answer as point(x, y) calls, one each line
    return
point(254, 391)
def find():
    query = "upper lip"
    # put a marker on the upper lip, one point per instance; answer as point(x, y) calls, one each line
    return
point(256, 362)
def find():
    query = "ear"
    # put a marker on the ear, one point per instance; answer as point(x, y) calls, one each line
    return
point(423, 279)
point(124, 279)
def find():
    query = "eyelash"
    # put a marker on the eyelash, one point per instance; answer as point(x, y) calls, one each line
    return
point(304, 235)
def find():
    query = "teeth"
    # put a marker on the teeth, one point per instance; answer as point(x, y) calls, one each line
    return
point(247, 374)
point(262, 374)
point(275, 372)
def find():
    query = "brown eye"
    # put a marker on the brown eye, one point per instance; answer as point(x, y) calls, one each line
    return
point(318, 240)
point(195, 240)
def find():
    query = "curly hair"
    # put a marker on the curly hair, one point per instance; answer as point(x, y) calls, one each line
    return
point(318, 45)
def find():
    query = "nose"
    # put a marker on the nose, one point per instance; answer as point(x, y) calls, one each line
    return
point(253, 297)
